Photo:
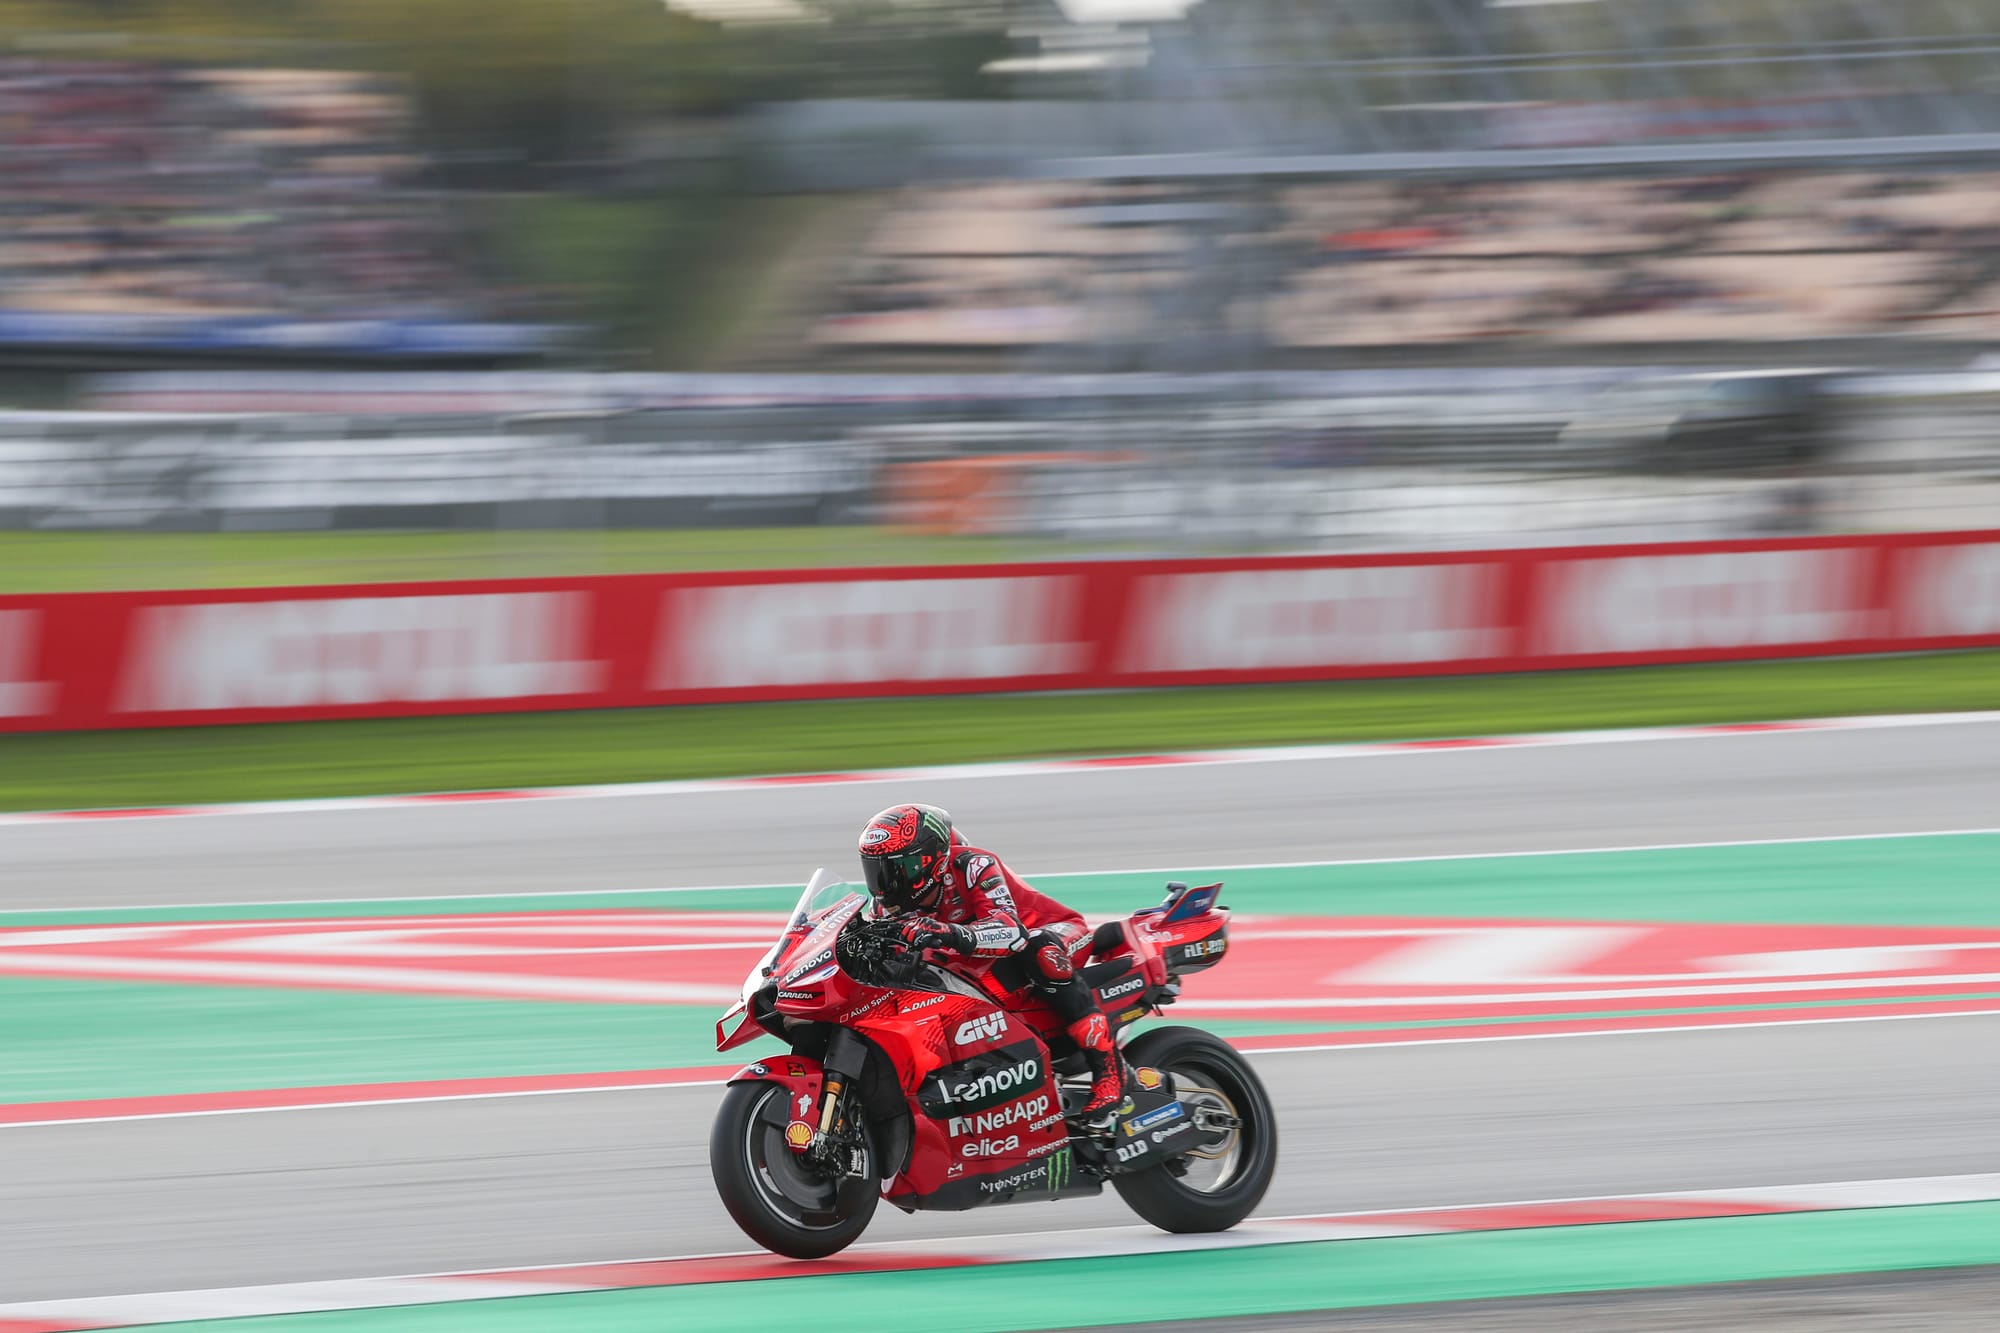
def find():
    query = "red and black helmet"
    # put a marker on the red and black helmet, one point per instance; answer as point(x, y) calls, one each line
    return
point(903, 854)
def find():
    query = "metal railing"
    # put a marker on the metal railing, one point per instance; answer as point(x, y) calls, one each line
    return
point(1389, 463)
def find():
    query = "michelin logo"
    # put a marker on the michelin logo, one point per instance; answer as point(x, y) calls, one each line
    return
point(1139, 1125)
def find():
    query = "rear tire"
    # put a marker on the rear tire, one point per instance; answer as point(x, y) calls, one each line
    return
point(1247, 1163)
point(779, 1204)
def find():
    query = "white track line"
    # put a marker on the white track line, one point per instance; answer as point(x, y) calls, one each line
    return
point(1029, 768)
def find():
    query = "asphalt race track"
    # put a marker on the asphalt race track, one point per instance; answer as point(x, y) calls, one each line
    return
point(232, 1200)
point(1607, 794)
point(238, 1199)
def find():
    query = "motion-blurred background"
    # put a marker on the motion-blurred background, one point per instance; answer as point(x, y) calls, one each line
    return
point(606, 284)
point(472, 398)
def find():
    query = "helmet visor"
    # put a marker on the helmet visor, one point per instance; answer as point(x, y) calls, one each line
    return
point(893, 879)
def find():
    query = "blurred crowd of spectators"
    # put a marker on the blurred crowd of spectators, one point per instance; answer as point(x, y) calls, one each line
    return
point(155, 189)
point(1794, 255)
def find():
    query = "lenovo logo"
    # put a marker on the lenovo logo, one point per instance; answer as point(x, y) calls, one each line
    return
point(988, 1088)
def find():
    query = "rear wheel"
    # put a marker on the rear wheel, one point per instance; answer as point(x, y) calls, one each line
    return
point(1214, 1188)
point(780, 1200)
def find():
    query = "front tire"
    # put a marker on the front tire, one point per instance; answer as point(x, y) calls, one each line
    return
point(779, 1203)
point(1234, 1175)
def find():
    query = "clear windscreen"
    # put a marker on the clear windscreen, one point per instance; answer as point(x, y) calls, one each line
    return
point(824, 890)
point(821, 892)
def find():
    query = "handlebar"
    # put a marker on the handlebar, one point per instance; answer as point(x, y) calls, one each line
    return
point(873, 950)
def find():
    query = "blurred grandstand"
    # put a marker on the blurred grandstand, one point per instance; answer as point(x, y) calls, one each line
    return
point(1371, 263)
point(1217, 280)
point(166, 208)
point(1285, 182)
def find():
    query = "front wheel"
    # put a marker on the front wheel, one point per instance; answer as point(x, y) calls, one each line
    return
point(776, 1197)
point(1213, 1188)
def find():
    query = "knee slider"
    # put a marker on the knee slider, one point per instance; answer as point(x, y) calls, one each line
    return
point(1048, 959)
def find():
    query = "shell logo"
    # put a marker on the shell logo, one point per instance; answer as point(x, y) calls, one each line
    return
point(798, 1133)
point(1148, 1078)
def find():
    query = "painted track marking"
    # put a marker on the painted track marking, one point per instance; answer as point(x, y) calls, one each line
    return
point(1392, 969)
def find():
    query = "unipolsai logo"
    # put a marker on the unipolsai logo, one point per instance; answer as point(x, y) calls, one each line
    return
point(981, 1029)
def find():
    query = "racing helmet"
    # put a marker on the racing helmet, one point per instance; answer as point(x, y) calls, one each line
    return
point(903, 855)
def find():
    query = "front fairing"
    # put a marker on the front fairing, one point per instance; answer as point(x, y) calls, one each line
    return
point(798, 970)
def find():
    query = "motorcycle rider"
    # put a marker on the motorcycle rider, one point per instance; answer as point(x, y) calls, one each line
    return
point(948, 896)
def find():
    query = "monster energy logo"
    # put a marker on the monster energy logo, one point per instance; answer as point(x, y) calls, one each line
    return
point(1059, 1170)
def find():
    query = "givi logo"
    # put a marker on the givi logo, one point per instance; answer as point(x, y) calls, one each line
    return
point(980, 1029)
point(21, 695)
point(330, 652)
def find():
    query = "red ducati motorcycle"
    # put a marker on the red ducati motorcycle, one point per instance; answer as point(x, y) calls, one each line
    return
point(941, 1091)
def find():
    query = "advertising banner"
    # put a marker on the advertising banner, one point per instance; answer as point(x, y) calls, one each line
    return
point(142, 659)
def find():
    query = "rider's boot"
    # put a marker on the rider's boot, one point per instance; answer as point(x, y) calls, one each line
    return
point(1092, 1034)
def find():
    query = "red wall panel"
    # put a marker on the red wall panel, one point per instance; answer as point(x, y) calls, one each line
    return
point(98, 660)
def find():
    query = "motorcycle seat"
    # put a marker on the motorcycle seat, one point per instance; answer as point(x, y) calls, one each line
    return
point(1109, 939)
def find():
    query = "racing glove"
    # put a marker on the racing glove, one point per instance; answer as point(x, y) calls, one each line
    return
point(922, 932)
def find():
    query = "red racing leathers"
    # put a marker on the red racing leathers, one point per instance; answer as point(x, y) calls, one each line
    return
point(998, 915)
point(998, 907)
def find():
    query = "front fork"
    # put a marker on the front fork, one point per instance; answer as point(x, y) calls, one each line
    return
point(847, 1055)
point(834, 1145)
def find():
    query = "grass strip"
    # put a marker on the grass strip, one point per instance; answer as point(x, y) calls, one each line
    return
point(278, 761)
point(1275, 1279)
point(35, 562)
